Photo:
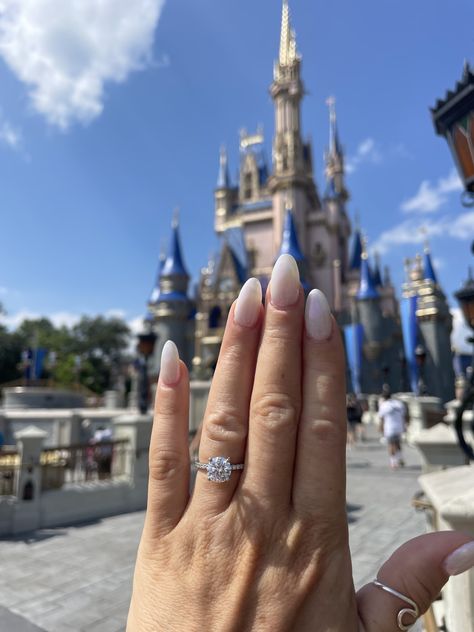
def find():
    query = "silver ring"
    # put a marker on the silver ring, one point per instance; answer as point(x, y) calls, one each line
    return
point(219, 468)
point(414, 611)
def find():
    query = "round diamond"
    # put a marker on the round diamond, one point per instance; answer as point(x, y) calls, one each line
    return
point(219, 469)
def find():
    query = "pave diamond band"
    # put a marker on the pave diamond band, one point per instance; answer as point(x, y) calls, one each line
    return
point(219, 468)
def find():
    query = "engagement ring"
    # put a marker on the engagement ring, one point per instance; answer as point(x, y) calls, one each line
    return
point(219, 468)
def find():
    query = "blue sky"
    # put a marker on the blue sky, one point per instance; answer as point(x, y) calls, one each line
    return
point(112, 114)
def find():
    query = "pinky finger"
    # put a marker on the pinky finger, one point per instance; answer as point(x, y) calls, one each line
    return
point(168, 487)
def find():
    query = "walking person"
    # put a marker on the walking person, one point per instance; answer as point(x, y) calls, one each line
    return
point(354, 419)
point(393, 417)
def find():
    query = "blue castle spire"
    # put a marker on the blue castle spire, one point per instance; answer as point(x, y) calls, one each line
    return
point(429, 273)
point(376, 273)
point(174, 263)
point(367, 289)
point(357, 248)
point(223, 179)
point(289, 243)
point(291, 246)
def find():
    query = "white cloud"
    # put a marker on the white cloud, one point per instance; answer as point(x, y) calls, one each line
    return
point(430, 198)
point(460, 332)
point(367, 151)
point(67, 51)
point(414, 231)
point(9, 135)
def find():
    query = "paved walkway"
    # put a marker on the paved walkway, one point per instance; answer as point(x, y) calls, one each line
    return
point(78, 579)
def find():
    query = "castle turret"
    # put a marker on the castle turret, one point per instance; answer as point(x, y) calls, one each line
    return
point(224, 195)
point(172, 309)
point(434, 326)
point(381, 335)
point(290, 246)
point(334, 157)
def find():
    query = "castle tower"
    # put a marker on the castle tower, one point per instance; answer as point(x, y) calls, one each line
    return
point(382, 341)
point(171, 308)
point(291, 183)
point(224, 195)
point(334, 157)
point(434, 325)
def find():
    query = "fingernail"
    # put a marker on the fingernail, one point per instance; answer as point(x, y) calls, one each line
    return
point(169, 370)
point(318, 316)
point(460, 560)
point(247, 308)
point(285, 282)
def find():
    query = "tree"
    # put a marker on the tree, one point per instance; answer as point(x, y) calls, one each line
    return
point(90, 353)
point(10, 355)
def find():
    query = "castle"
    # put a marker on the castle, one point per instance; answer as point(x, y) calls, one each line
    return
point(277, 208)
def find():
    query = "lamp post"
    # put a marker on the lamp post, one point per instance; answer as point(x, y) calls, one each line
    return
point(465, 297)
point(453, 118)
point(420, 358)
point(145, 347)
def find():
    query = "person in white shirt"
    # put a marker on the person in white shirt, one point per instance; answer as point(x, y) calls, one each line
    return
point(393, 417)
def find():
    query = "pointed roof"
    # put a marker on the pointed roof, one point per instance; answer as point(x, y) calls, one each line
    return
point(335, 147)
point(356, 255)
point(174, 263)
point(289, 243)
point(377, 275)
point(223, 180)
point(155, 294)
point(288, 52)
point(429, 273)
point(290, 246)
point(367, 289)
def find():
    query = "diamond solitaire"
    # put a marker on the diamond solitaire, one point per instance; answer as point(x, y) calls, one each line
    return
point(219, 468)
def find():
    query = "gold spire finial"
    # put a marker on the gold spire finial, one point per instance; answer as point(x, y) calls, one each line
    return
point(175, 221)
point(424, 232)
point(331, 103)
point(364, 242)
point(288, 51)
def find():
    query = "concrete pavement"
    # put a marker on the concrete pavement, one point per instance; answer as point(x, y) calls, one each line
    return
point(78, 578)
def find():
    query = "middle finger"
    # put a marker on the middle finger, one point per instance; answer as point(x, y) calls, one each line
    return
point(276, 397)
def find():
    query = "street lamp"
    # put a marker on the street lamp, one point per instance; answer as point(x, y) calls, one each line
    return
point(453, 118)
point(420, 358)
point(465, 297)
point(145, 347)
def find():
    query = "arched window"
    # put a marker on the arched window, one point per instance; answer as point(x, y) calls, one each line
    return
point(215, 317)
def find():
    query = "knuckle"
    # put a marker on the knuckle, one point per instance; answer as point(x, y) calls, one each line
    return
point(224, 426)
point(325, 431)
point(166, 464)
point(276, 411)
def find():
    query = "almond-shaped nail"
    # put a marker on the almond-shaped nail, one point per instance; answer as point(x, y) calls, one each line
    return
point(170, 370)
point(318, 316)
point(247, 308)
point(285, 282)
point(460, 560)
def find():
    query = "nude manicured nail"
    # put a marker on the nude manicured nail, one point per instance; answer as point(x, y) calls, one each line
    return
point(170, 371)
point(318, 316)
point(247, 308)
point(285, 282)
point(460, 560)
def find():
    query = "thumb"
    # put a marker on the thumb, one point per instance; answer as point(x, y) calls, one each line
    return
point(418, 570)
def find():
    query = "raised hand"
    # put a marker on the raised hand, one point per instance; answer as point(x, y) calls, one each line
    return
point(267, 550)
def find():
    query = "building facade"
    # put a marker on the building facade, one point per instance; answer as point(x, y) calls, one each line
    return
point(275, 207)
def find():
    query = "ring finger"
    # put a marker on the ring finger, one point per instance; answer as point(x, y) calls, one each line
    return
point(225, 424)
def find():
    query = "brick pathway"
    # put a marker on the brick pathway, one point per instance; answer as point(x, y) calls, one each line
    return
point(77, 579)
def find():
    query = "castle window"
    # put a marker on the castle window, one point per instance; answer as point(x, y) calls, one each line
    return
point(247, 186)
point(215, 317)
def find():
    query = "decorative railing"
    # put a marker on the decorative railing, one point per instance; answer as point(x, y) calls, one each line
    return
point(83, 463)
point(9, 464)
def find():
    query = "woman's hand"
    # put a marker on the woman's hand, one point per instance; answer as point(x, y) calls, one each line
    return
point(268, 549)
